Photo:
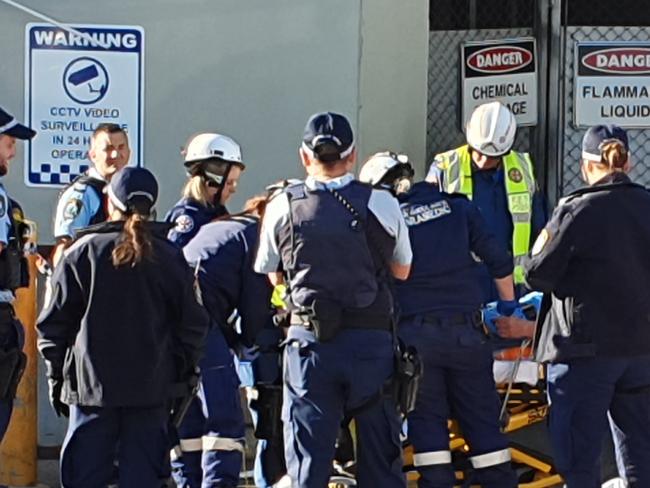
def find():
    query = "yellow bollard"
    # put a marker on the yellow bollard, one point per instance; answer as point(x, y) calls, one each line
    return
point(18, 463)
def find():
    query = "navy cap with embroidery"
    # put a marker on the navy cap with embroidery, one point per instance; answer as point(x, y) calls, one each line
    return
point(11, 127)
point(328, 136)
point(133, 189)
point(597, 136)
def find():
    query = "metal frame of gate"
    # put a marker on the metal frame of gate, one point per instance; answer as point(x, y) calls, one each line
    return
point(554, 142)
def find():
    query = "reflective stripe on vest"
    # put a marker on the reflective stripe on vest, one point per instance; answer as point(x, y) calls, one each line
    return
point(456, 166)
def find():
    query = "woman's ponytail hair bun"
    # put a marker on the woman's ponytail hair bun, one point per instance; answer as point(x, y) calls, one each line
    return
point(613, 154)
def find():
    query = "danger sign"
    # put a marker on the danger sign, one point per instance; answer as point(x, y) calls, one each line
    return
point(503, 70)
point(612, 84)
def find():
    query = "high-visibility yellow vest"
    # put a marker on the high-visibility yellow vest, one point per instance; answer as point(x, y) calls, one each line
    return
point(456, 167)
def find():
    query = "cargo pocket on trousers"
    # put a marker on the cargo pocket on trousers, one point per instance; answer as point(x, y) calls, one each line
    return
point(297, 367)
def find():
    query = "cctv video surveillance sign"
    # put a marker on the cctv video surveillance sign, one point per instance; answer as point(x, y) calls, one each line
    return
point(73, 84)
point(612, 84)
point(503, 70)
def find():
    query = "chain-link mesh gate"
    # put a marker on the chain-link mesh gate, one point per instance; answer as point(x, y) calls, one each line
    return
point(453, 22)
point(443, 131)
point(572, 136)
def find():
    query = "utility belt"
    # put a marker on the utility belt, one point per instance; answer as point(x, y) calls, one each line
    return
point(12, 359)
point(325, 319)
point(14, 271)
point(473, 318)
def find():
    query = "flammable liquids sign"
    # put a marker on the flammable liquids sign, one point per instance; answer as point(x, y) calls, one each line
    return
point(73, 84)
point(612, 84)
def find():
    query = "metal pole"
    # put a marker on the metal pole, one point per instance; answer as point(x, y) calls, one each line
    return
point(18, 455)
point(539, 141)
point(555, 108)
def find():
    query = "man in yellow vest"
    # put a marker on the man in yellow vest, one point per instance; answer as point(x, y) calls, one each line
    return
point(501, 182)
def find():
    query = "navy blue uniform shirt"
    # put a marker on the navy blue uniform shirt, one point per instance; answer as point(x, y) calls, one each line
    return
point(445, 230)
point(119, 337)
point(594, 256)
point(188, 216)
point(489, 195)
point(224, 251)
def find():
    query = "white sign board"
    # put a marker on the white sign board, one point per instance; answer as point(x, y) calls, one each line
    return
point(504, 70)
point(74, 84)
point(612, 84)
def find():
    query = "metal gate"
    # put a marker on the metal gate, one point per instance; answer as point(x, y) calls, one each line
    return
point(555, 142)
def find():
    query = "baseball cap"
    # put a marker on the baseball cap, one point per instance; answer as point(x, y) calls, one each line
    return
point(133, 189)
point(597, 135)
point(10, 126)
point(328, 136)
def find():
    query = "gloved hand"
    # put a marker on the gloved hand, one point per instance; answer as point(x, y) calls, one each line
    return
point(55, 386)
point(507, 307)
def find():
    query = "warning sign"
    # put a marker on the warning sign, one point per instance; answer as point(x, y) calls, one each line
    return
point(74, 83)
point(504, 70)
point(612, 84)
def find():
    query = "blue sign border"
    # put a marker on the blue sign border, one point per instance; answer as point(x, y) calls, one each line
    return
point(32, 178)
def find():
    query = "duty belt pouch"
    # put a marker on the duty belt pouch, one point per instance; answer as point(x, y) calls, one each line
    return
point(325, 319)
point(12, 367)
point(13, 269)
point(268, 405)
point(408, 371)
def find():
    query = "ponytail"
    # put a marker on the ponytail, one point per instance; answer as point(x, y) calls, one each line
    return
point(613, 154)
point(135, 242)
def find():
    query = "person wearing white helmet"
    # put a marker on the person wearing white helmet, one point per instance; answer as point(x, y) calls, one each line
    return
point(210, 442)
point(440, 316)
point(500, 181)
point(214, 164)
point(388, 170)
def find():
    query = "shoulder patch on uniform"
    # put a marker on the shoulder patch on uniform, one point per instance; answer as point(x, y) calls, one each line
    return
point(419, 214)
point(183, 224)
point(514, 174)
point(3, 206)
point(541, 241)
point(72, 208)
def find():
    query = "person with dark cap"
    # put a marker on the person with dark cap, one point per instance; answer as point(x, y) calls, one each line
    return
point(222, 253)
point(335, 241)
point(592, 263)
point(214, 164)
point(13, 272)
point(82, 202)
point(209, 444)
point(121, 327)
point(440, 315)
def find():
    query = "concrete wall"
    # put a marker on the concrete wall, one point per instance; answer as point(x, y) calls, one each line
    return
point(253, 69)
point(393, 78)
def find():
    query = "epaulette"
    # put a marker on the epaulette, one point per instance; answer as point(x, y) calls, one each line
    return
point(244, 219)
point(283, 186)
point(589, 190)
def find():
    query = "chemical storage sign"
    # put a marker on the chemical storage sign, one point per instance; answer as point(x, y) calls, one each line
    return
point(504, 70)
point(612, 84)
point(74, 83)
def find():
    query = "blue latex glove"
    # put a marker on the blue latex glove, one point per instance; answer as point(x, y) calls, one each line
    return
point(507, 307)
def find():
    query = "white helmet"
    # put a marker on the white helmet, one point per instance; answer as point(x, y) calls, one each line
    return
point(387, 170)
point(212, 146)
point(491, 129)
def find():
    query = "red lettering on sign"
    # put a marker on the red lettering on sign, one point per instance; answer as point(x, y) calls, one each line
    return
point(619, 60)
point(500, 59)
